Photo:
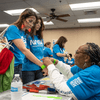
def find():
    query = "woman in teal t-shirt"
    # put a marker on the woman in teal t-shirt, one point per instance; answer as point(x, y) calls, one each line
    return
point(16, 34)
point(58, 49)
point(30, 70)
point(83, 79)
point(47, 50)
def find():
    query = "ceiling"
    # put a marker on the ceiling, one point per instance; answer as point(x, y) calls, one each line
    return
point(44, 6)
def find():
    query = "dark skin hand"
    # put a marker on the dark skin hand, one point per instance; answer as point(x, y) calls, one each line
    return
point(45, 70)
point(47, 61)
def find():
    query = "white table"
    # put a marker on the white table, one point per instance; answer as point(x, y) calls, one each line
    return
point(6, 95)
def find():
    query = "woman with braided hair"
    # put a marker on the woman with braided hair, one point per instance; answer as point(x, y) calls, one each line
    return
point(83, 79)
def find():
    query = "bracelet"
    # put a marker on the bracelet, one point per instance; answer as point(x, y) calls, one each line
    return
point(43, 66)
point(54, 61)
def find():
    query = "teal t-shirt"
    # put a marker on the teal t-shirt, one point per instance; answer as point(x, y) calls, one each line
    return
point(36, 47)
point(13, 33)
point(85, 84)
point(47, 52)
point(70, 62)
point(58, 49)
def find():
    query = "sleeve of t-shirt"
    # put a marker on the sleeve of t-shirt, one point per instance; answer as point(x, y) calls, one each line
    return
point(75, 69)
point(50, 52)
point(81, 85)
point(12, 33)
point(56, 49)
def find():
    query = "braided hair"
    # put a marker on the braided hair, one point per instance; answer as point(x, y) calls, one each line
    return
point(93, 51)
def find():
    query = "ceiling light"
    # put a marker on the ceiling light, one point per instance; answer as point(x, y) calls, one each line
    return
point(48, 23)
point(83, 6)
point(3, 25)
point(89, 20)
point(44, 17)
point(17, 12)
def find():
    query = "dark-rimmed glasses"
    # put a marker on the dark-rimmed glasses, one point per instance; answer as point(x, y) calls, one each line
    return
point(31, 22)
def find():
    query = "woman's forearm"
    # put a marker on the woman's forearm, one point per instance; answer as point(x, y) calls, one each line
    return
point(21, 46)
point(64, 69)
point(61, 55)
point(32, 58)
point(59, 82)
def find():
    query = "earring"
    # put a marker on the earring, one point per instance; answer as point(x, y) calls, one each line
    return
point(22, 26)
point(29, 29)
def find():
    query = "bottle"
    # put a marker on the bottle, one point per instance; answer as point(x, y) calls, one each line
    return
point(16, 88)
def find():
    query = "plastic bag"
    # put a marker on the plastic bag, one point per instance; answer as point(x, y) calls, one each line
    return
point(3, 41)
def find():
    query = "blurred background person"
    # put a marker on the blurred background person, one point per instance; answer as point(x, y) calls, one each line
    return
point(58, 49)
point(70, 60)
point(47, 50)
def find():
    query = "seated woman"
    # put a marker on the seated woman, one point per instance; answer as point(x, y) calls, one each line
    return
point(83, 79)
point(47, 50)
point(70, 60)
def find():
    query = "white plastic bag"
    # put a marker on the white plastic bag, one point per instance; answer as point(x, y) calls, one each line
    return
point(3, 41)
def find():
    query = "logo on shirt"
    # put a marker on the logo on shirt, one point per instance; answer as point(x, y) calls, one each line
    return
point(36, 43)
point(62, 50)
point(76, 82)
point(70, 62)
point(63, 92)
point(24, 39)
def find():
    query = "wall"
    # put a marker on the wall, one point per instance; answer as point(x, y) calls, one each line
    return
point(76, 37)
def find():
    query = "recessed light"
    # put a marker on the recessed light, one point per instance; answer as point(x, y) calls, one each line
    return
point(3, 25)
point(48, 23)
point(43, 17)
point(83, 6)
point(89, 20)
point(17, 12)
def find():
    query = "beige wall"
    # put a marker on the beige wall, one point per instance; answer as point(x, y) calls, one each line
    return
point(76, 37)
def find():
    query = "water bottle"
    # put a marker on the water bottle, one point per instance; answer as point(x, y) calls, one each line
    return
point(16, 88)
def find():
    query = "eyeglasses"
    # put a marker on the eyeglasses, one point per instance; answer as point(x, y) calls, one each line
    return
point(31, 21)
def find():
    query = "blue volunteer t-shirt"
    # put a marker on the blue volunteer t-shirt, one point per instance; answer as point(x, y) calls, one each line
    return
point(47, 52)
point(85, 84)
point(58, 49)
point(70, 62)
point(13, 33)
point(36, 47)
point(75, 69)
